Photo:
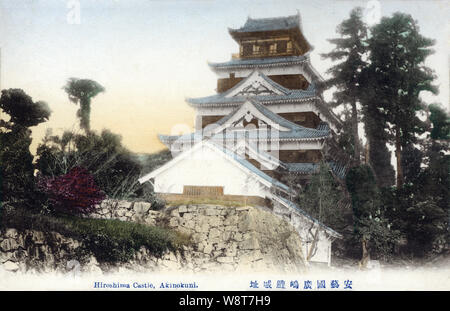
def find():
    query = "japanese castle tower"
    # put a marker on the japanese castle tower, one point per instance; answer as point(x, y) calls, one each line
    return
point(267, 123)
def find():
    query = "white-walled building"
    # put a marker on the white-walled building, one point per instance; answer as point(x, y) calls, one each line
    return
point(266, 122)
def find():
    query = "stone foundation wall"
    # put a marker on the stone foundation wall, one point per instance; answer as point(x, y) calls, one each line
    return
point(223, 239)
point(237, 238)
point(127, 211)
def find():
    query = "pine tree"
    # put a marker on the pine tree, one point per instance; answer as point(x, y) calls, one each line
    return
point(397, 76)
point(371, 227)
point(321, 196)
point(81, 91)
point(16, 160)
point(350, 50)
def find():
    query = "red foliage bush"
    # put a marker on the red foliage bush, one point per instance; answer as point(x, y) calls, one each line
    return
point(74, 192)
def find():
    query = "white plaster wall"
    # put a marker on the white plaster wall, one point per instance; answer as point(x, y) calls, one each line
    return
point(205, 167)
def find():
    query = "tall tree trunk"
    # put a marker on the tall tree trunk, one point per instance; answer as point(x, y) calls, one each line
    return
point(85, 114)
point(398, 155)
point(355, 132)
point(365, 254)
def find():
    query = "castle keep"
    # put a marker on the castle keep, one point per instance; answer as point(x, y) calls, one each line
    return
point(267, 122)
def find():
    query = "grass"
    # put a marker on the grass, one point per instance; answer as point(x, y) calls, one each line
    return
point(108, 240)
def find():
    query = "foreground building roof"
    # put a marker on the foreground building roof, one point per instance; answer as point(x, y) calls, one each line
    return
point(224, 152)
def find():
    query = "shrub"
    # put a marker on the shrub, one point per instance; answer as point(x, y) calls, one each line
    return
point(74, 192)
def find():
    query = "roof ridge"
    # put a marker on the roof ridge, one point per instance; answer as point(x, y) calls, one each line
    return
point(274, 17)
point(301, 211)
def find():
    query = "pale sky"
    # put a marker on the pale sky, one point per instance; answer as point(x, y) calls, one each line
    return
point(151, 55)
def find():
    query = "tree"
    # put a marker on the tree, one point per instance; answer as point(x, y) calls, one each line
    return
point(22, 110)
point(115, 169)
point(371, 227)
point(321, 199)
point(81, 91)
point(74, 192)
point(397, 76)
point(350, 50)
point(441, 123)
point(375, 126)
point(419, 209)
point(321, 196)
point(16, 160)
point(428, 227)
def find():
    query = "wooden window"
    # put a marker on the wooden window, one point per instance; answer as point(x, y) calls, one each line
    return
point(247, 49)
point(289, 46)
point(281, 46)
point(213, 191)
point(273, 48)
point(299, 117)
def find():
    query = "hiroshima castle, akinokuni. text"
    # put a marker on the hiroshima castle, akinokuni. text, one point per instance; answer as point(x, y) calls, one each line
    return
point(267, 123)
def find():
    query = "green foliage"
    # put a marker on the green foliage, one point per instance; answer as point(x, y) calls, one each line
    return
point(441, 122)
point(364, 192)
point(16, 160)
point(426, 221)
point(377, 138)
point(419, 217)
point(81, 91)
point(411, 161)
point(394, 80)
point(115, 169)
point(321, 197)
point(370, 223)
point(152, 161)
point(419, 210)
point(21, 108)
point(109, 241)
point(350, 49)
point(16, 168)
point(346, 138)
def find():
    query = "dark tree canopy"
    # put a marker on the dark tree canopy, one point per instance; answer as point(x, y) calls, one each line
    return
point(441, 122)
point(16, 160)
point(114, 168)
point(21, 108)
point(350, 50)
point(395, 77)
point(81, 91)
point(321, 196)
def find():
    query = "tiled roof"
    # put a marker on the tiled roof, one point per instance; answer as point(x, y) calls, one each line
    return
point(295, 131)
point(309, 168)
point(220, 99)
point(302, 168)
point(260, 62)
point(306, 134)
point(268, 24)
point(286, 94)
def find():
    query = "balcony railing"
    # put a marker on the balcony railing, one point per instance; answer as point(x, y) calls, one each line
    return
point(264, 54)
